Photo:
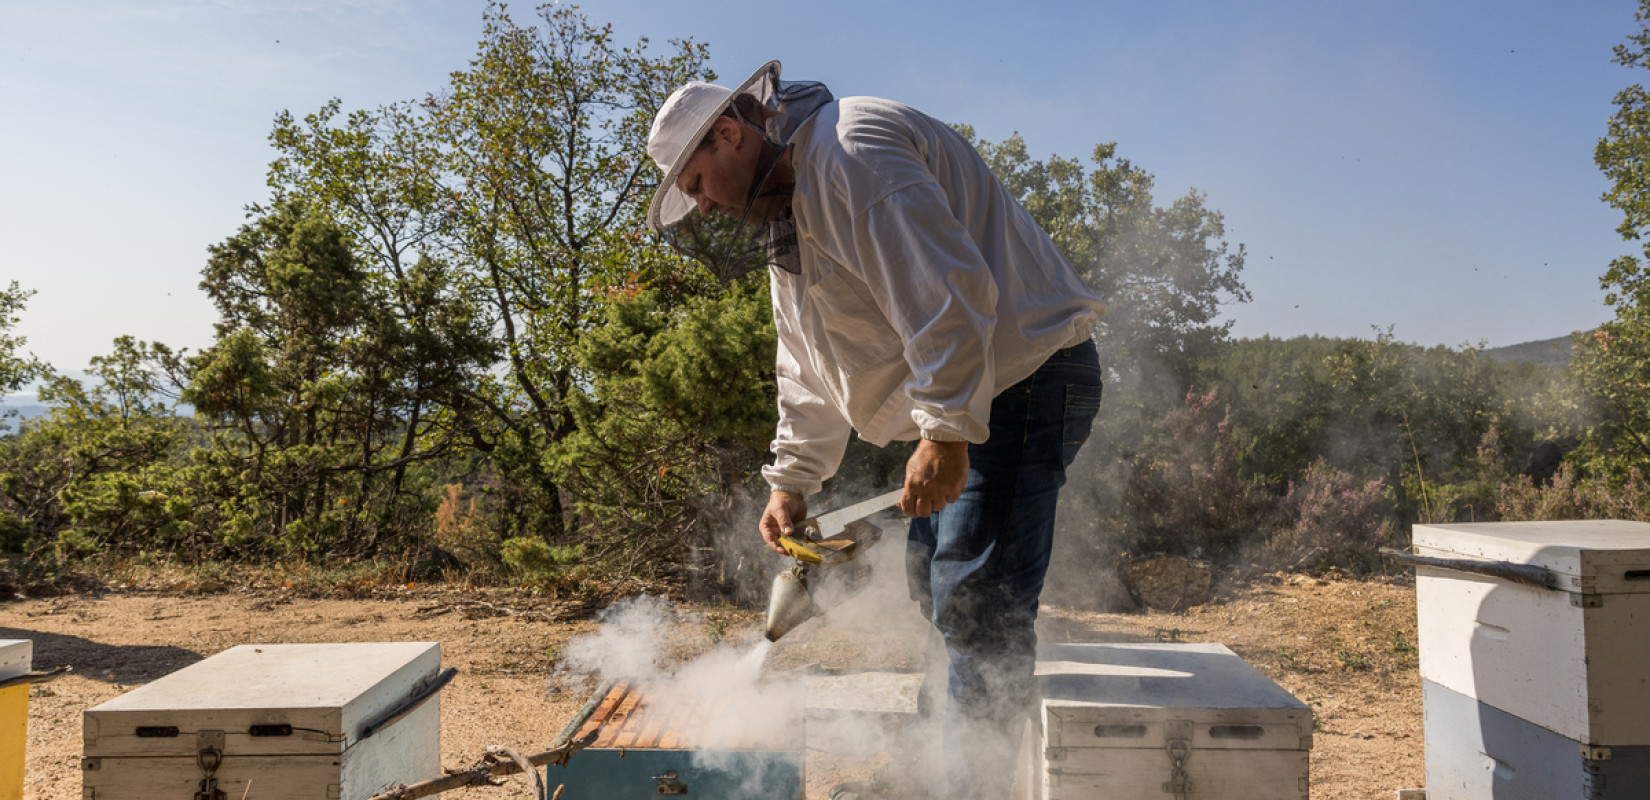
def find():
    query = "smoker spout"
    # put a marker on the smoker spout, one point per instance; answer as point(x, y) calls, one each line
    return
point(789, 602)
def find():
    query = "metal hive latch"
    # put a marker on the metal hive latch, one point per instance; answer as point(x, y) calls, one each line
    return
point(1179, 745)
point(668, 784)
point(209, 759)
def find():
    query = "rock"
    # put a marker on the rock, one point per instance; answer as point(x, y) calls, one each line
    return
point(1169, 583)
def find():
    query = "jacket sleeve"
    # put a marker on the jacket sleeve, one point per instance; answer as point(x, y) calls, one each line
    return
point(934, 287)
point(812, 434)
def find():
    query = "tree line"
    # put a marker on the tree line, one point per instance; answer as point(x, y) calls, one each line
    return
point(446, 338)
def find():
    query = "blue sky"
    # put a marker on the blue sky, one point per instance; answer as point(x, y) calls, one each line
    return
point(1420, 165)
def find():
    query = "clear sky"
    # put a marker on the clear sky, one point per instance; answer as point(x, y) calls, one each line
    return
point(1421, 165)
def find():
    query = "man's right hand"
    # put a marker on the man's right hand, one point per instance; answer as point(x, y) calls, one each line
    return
point(784, 510)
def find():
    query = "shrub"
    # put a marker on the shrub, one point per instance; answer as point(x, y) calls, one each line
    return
point(535, 561)
point(1334, 519)
point(1571, 496)
point(1185, 493)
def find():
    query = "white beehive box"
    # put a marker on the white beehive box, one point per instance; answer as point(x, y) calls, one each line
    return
point(287, 721)
point(1573, 658)
point(1138, 721)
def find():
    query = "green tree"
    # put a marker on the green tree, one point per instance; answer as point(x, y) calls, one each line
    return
point(527, 178)
point(675, 422)
point(322, 396)
point(97, 470)
point(16, 369)
point(1613, 362)
point(1164, 271)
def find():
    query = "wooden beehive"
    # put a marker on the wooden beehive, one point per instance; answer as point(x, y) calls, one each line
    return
point(649, 745)
point(16, 657)
point(273, 722)
point(1143, 721)
point(1535, 685)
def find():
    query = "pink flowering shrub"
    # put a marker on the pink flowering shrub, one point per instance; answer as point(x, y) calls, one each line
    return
point(1331, 518)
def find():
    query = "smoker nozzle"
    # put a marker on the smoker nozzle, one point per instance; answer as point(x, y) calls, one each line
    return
point(789, 602)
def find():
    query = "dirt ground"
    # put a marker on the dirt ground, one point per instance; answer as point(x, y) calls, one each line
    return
point(1345, 647)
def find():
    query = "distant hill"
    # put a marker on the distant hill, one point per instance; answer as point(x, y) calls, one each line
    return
point(1554, 353)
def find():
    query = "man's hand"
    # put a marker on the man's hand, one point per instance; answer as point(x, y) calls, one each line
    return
point(934, 477)
point(784, 510)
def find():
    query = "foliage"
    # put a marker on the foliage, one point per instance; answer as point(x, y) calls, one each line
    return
point(526, 180)
point(16, 370)
point(98, 471)
point(1164, 271)
point(1570, 496)
point(533, 561)
point(1334, 519)
point(322, 403)
point(1185, 494)
point(1613, 362)
point(1442, 428)
point(675, 421)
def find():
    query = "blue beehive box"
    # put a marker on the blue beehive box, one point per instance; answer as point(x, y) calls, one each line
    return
point(1476, 751)
point(650, 747)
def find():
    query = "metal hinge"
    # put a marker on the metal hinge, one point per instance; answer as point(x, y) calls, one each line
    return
point(1586, 600)
point(1591, 753)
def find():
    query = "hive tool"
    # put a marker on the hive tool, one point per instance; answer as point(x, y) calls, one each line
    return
point(825, 572)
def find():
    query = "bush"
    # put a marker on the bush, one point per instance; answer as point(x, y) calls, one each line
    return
point(1185, 493)
point(1570, 496)
point(535, 561)
point(1335, 520)
point(14, 532)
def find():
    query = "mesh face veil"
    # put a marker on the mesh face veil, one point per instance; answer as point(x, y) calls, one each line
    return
point(733, 246)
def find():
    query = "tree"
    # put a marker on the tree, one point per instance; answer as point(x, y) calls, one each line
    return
point(1613, 362)
point(322, 396)
point(1164, 271)
point(96, 471)
point(526, 178)
point(675, 422)
point(16, 370)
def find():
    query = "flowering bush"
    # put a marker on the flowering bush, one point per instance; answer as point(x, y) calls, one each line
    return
point(1571, 496)
point(1334, 518)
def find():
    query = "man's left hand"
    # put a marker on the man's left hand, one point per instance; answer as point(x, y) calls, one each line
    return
point(934, 477)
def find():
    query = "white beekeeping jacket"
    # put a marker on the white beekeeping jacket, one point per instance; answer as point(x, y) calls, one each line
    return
point(922, 289)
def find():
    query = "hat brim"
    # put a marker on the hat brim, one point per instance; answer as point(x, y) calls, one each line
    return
point(669, 204)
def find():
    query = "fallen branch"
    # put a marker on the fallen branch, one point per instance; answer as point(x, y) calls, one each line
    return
point(489, 769)
point(477, 609)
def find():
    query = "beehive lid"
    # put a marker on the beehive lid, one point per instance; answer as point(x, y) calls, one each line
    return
point(1144, 687)
point(16, 657)
point(1190, 676)
point(630, 717)
point(327, 693)
point(1589, 556)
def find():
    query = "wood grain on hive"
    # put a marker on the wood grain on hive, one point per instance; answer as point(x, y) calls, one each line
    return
point(628, 718)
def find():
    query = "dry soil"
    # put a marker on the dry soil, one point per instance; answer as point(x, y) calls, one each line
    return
point(1344, 646)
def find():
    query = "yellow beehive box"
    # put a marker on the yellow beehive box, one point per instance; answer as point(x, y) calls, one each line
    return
point(15, 658)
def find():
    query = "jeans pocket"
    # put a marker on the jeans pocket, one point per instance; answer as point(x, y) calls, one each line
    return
point(1082, 403)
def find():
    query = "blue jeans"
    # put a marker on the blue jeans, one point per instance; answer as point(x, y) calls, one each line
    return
point(977, 567)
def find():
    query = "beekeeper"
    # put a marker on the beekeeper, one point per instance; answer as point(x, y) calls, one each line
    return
point(914, 299)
